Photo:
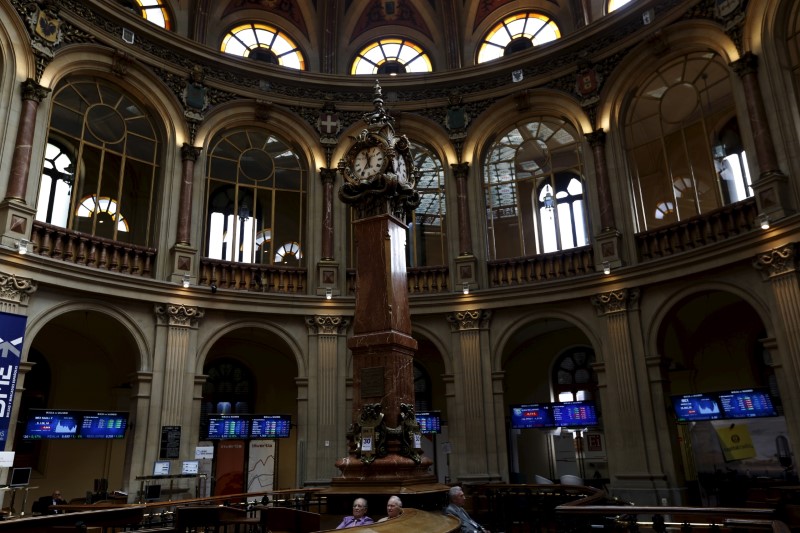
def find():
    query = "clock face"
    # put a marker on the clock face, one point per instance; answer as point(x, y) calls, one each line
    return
point(368, 162)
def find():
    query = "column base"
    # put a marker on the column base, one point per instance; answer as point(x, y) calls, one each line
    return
point(607, 249)
point(327, 278)
point(772, 195)
point(183, 257)
point(16, 219)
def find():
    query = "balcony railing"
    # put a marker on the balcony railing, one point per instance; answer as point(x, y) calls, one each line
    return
point(252, 277)
point(544, 267)
point(708, 228)
point(97, 252)
point(421, 280)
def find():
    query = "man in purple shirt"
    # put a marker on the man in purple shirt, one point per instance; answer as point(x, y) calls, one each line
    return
point(359, 517)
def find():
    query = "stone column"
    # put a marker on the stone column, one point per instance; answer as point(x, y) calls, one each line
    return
point(176, 366)
point(779, 267)
point(141, 452)
point(628, 422)
point(466, 266)
point(474, 419)
point(189, 155)
point(609, 239)
point(771, 187)
point(326, 411)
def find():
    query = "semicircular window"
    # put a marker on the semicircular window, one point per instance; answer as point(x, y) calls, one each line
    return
point(263, 43)
point(390, 57)
point(516, 33)
point(153, 11)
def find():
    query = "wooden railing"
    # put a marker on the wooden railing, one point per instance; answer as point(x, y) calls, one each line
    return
point(708, 228)
point(252, 277)
point(427, 280)
point(544, 267)
point(97, 252)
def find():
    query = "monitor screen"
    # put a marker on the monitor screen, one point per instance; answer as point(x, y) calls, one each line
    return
point(20, 477)
point(574, 414)
point(694, 407)
point(51, 424)
point(190, 467)
point(747, 403)
point(430, 422)
point(161, 468)
point(102, 425)
point(531, 415)
point(228, 427)
point(270, 426)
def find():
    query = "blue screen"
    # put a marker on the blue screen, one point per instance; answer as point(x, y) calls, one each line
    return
point(103, 426)
point(228, 427)
point(270, 426)
point(534, 415)
point(430, 422)
point(693, 407)
point(747, 403)
point(574, 414)
point(55, 424)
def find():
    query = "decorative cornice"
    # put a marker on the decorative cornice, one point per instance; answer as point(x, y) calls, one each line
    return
point(778, 261)
point(618, 301)
point(14, 289)
point(469, 320)
point(327, 325)
point(179, 315)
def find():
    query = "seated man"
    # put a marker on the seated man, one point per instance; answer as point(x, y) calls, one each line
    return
point(43, 504)
point(359, 516)
point(456, 508)
point(394, 508)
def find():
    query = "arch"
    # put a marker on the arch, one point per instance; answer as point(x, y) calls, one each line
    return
point(15, 44)
point(205, 347)
point(424, 331)
point(39, 321)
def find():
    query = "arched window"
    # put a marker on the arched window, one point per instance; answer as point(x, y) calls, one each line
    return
point(427, 228)
point(573, 378)
point(391, 56)
point(534, 190)
point(100, 164)
point(264, 43)
point(683, 142)
point(154, 11)
point(613, 5)
point(516, 33)
point(256, 199)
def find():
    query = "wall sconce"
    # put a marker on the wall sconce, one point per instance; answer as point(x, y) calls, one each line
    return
point(328, 293)
point(763, 221)
point(606, 267)
point(465, 288)
point(22, 246)
point(186, 280)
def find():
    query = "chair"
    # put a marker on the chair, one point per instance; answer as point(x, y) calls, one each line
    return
point(541, 480)
point(569, 479)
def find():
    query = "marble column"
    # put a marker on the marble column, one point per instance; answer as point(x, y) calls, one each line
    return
point(326, 413)
point(32, 96)
point(328, 176)
point(771, 186)
point(175, 365)
point(628, 422)
point(597, 140)
point(189, 155)
point(474, 419)
point(461, 171)
point(780, 267)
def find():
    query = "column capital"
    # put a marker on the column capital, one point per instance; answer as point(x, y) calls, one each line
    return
point(16, 289)
point(189, 152)
point(179, 315)
point(596, 138)
point(746, 64)
point(33, 91)
point(618, 301)
point(328, 175)
point(469, 320)
point(777, 261)
point(327, 325)
point(460, 170)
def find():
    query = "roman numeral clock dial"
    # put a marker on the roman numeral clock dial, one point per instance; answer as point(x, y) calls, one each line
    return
point(368, 162)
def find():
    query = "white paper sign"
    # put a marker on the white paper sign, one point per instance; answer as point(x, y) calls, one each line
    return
point(204, 452)
point(366, 444)
point(417, 441)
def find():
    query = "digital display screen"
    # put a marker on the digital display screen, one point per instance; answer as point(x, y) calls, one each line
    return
point(52, 424)
point(430, 422)
point(747, 403)
point(270, 426)
point(533, 415)
point(103, 426)
point(574, 414)
point(161, 468)
point(190, 467)
point(228, 427)
point(694, 407)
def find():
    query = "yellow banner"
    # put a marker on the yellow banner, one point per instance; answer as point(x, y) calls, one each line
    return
point(736, 442)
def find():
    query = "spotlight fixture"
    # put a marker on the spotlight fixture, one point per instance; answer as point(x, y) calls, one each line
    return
point(22, 246)
point(763, 221)
point(328, 293)
point(186, 280)
point(213, 288)
point(606, 267)
point(465, 288)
